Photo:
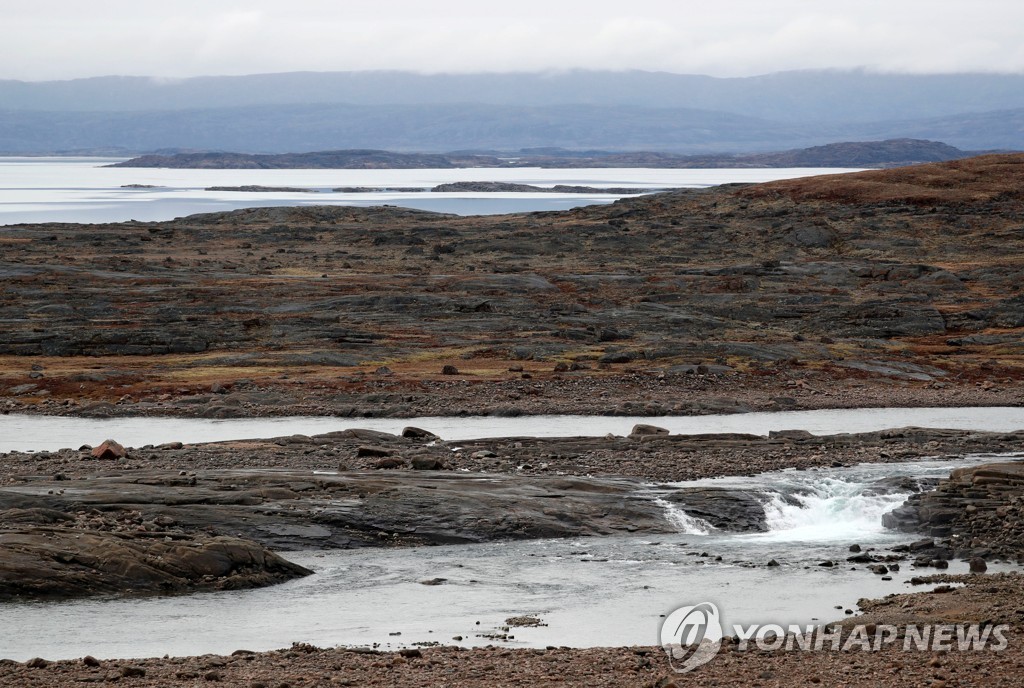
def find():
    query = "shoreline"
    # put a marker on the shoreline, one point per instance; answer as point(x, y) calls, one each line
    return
point(364, 394)
point(308, 665)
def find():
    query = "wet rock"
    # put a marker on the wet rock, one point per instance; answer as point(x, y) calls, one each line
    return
point(977, 565)
point(376, 452)
point(418, 433)
point(390, 463)
point(641, 429)
point(64, 562)
point(427, 463)
point(980, 504)
point(725, 509)
point(790, 435)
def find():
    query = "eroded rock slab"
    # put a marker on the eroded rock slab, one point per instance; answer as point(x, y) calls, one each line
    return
point(49, 562)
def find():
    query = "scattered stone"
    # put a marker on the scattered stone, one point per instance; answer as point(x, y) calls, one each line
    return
point(427, 463)
point(367, 451)
point(418, 433)
point(641, 429)
point(389, 463)
point(109, 450)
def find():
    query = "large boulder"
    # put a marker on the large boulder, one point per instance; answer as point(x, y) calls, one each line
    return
point(67, 562)
point(109, 450)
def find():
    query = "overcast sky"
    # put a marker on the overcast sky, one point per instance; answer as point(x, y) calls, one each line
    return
point(60, 39)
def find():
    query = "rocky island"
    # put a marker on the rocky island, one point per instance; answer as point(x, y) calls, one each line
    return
point(887, 153)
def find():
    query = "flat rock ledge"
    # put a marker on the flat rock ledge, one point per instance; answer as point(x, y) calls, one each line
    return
point(56, 562)
point(979, 510)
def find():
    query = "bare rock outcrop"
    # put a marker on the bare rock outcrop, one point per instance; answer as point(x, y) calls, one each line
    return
point(55, 562)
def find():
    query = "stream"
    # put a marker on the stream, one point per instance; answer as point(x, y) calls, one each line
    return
point(50, 433)
point(588, 592)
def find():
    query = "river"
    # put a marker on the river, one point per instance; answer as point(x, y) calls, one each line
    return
point(589, 592)
point(49, 433)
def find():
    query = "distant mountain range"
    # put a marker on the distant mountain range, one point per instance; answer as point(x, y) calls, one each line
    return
point(619, 111)
point(848, 154)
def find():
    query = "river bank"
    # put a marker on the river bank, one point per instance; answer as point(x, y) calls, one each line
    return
point(91, 389)
point(305, 665)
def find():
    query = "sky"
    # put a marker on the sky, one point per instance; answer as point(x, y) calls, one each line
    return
point(64, 39)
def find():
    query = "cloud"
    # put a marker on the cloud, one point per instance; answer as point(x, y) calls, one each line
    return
point(49, 39)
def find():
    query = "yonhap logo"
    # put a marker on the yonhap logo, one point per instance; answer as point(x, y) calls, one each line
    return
point(692, 636)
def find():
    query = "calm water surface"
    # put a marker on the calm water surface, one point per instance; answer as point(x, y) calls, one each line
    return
point(83, 190)
point(49, 433)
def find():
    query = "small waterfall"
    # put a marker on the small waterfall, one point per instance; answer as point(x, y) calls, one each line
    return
point(684, 522)
point(828, 509)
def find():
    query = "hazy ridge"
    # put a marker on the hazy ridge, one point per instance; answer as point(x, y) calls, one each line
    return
point(399, 111)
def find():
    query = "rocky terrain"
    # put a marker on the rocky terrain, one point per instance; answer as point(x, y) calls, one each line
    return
point(898, 287)
point(877, 288)
point(978, 510)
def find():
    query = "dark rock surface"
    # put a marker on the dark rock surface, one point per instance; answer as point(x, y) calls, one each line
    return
point(979, 511)
point(42, 561)
point(728, 510)
point(289, 510)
